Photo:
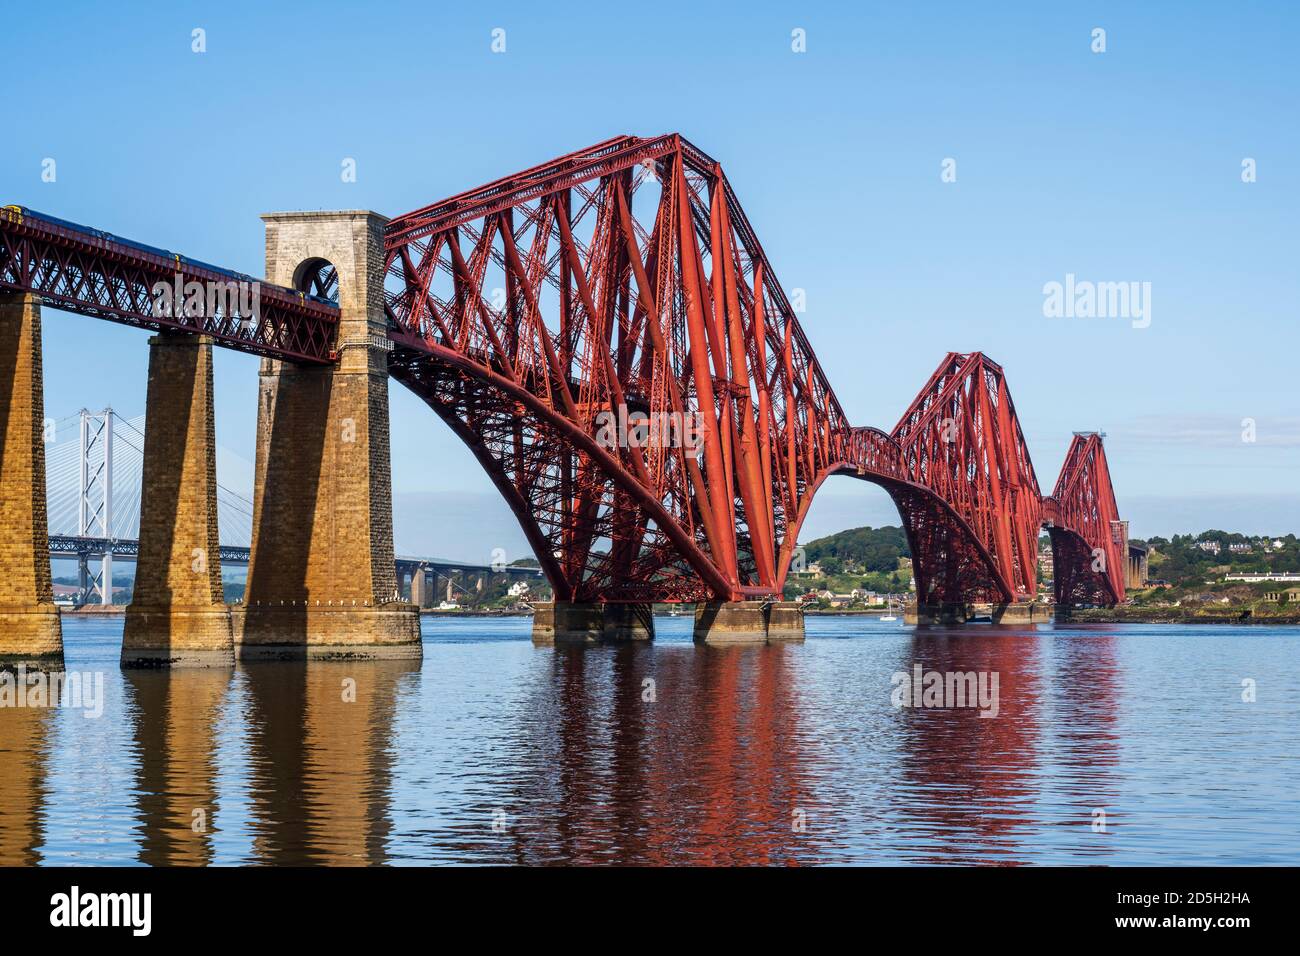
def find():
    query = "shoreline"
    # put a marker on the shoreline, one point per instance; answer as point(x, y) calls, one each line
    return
point(1121, 615)
point(1175, 615)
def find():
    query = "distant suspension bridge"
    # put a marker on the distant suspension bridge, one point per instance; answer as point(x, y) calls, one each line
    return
point(94, 478)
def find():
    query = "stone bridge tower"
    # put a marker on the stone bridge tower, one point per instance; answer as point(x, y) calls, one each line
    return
point(321, 580)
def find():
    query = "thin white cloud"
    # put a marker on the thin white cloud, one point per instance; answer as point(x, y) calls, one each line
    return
point(1209, 431)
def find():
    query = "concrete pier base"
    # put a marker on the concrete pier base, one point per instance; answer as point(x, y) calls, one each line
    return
point(731, 622)
point(177, 616)
point(936, 614)
point(629, 622)
point(576, 622)
point(423, 585)
point(785, 622)
point(566, 622)
point(29, 621)
point(1023, 612)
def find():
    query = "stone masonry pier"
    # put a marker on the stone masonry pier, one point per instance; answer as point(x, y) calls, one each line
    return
point(29, 621)
point(177, 614)
point(321, 580)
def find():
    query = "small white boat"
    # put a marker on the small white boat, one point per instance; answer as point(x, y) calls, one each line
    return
point(889, 614)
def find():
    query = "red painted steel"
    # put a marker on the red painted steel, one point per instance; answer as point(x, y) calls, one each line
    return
point(625, 281)
point(622, 277)
point(81, 270)
point(974, 537)
point(627, 277)
point(1089, 541)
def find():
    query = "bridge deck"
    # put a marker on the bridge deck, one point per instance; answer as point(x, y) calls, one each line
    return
point(90, 272)
point(69, 545)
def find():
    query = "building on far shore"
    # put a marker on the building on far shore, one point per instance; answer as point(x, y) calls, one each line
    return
point(1136, 571)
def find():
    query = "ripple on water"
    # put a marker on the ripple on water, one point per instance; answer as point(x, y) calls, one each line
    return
point(493, 751)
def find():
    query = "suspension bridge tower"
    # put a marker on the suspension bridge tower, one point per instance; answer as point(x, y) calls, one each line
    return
point(95, 502)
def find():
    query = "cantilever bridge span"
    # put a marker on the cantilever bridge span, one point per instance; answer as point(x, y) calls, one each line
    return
point(621, 280)
point(627, 274)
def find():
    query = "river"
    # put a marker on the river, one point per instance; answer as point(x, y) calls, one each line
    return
point(1111, 744)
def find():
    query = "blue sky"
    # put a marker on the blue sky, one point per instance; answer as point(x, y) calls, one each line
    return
point(1115, 166)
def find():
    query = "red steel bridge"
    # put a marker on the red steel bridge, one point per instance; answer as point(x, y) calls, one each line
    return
point(626, 279)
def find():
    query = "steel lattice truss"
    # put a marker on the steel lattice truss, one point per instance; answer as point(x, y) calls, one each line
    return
point(623, 276)
point(975, 536)
point(1089, 541)
point(624, 281)
point(627, 276)
point(92, 273)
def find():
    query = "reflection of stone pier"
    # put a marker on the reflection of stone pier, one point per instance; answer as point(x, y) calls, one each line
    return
point(320, 746)
point(24, 747)
point(176, 718)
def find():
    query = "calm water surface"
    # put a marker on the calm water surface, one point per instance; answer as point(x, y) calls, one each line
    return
point(493, 751)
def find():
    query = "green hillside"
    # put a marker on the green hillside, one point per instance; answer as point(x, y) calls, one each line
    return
point(859, 550)
point(871, 559)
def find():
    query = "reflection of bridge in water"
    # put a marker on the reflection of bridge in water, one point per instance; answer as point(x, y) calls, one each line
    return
point(767, 755)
